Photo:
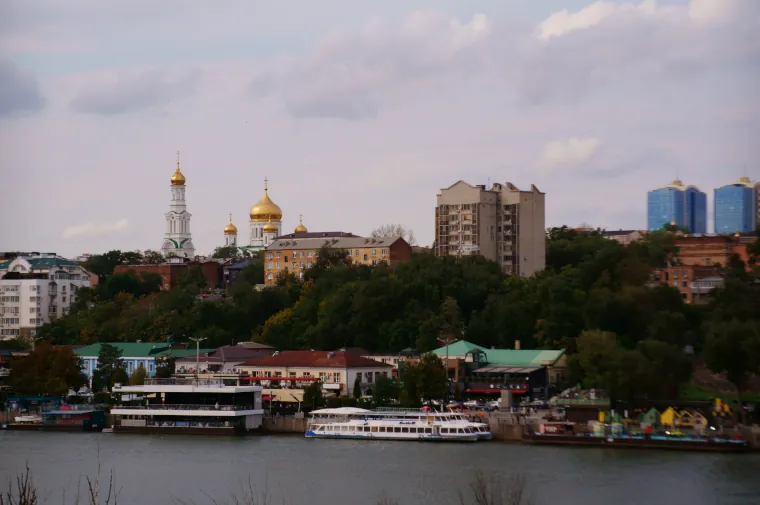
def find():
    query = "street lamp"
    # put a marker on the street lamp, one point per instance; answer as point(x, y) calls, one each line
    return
point(448, 340)
point(197, 353)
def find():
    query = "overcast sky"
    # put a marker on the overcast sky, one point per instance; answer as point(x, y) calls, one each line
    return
point(359, 111)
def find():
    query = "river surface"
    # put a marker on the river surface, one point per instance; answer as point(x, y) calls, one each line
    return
point(161, 469)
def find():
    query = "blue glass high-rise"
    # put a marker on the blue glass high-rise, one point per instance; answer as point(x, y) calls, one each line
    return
point(736, 207)
point(675, 203)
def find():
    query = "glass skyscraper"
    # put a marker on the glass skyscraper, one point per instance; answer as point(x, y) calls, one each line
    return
point(679, 204)
point(736, 207)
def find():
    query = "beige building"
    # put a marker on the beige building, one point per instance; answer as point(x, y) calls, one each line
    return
point(503, 224)
point(625, 237)
point(296, 252)
point(338, 371)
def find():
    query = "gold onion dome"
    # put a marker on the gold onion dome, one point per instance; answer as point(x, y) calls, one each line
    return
point(266, 209)
point(230, 229)
point(270, 227)
point(177, 178)
point(301, 228)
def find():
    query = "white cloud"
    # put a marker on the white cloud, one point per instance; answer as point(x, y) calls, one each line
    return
point(92, 229)
point(568, 153)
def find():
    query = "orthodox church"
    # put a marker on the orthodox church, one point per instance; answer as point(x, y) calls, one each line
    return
point(265, 223)
point(177, 238)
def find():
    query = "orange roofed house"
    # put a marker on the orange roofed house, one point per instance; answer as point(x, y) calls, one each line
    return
point(337, 370)
point(296, 255)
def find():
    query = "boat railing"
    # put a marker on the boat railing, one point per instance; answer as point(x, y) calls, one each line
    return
point(222, 408)
point(178, 381)
point(398, 410)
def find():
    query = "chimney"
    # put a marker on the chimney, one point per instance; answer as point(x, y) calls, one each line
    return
point(517, 345)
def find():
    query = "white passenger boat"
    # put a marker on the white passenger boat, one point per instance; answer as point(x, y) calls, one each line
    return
point(355, 423)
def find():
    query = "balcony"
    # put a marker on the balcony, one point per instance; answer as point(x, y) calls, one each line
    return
point(188, 407)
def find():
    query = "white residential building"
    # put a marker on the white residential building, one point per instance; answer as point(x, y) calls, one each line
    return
point(35, 290)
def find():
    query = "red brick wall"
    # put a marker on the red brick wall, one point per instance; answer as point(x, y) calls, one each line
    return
point(400, 250)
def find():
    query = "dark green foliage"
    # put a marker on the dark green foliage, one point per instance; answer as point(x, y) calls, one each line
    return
point(47, 370)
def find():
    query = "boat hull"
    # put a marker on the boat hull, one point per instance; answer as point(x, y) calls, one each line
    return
point(423, 438)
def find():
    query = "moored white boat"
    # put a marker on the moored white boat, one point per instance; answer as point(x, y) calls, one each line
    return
point(355, 423)
point(28, 419)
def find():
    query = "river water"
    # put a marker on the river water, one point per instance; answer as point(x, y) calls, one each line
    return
point(161, 469)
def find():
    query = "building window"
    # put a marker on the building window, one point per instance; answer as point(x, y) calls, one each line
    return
point(356, 253)
point(365, 257)
point(336, 378)
point(269, 256)
point(374, 252)
point(267, 374)
point(151, 367)
point(278, 254)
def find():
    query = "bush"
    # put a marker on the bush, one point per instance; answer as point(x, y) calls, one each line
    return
point(348, 402)
point(333, 402)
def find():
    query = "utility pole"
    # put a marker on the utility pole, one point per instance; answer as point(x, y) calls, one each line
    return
point(197, 353)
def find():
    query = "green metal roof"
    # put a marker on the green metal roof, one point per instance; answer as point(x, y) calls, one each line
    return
point(139, 350)
point(503, 357)
point(182, 353)
point(128, 349)
point(524, 358)
point(458, 348)
point(41, 263)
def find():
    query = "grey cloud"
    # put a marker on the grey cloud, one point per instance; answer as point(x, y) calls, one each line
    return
point(19, 91)
point(347, 76)
point(134, 92)
point(627, 46)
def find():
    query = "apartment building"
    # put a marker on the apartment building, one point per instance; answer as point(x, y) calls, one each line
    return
point(35, 290)
point(296, 255)
point(502, 223)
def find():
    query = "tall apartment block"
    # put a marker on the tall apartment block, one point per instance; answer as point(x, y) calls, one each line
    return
point(36, 289)
point(502, 223)
point(679, 204)
point(736, 207)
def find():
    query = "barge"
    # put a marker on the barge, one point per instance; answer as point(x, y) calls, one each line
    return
point(188, 406)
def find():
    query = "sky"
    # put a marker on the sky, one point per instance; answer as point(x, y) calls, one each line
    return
point(359, 112)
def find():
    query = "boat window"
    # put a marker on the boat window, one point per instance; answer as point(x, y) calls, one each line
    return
point(404, 430)
point(382, 429)
point(444, 430)
point(374, 429)
point(428, 430)
point(460, 430)
point(397, 430)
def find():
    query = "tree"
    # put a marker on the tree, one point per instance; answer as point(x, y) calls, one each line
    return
point(733, 348)
point(312, 396)
point(165, 366)
point(103, 264)
point(226, 252)
point(138, 376)
point(151, 257)
point(47, 370)
point(431, 378)
point(395, 230)
point(109, 364)
point(384, 390)
point(131, 258)
point(358, 386)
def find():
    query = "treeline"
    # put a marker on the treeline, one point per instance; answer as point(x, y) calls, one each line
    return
point(595, 299)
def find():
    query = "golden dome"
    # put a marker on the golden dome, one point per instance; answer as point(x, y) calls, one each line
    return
point(178, 179)
point(270, 227)
point(230, 229)
point(266, 209)
point(300, 228)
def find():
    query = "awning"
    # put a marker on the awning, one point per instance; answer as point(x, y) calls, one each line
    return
point(495, 391)
point(280, 379)
point(507, 369)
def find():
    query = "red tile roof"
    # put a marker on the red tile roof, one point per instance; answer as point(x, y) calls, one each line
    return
point(316, 359)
